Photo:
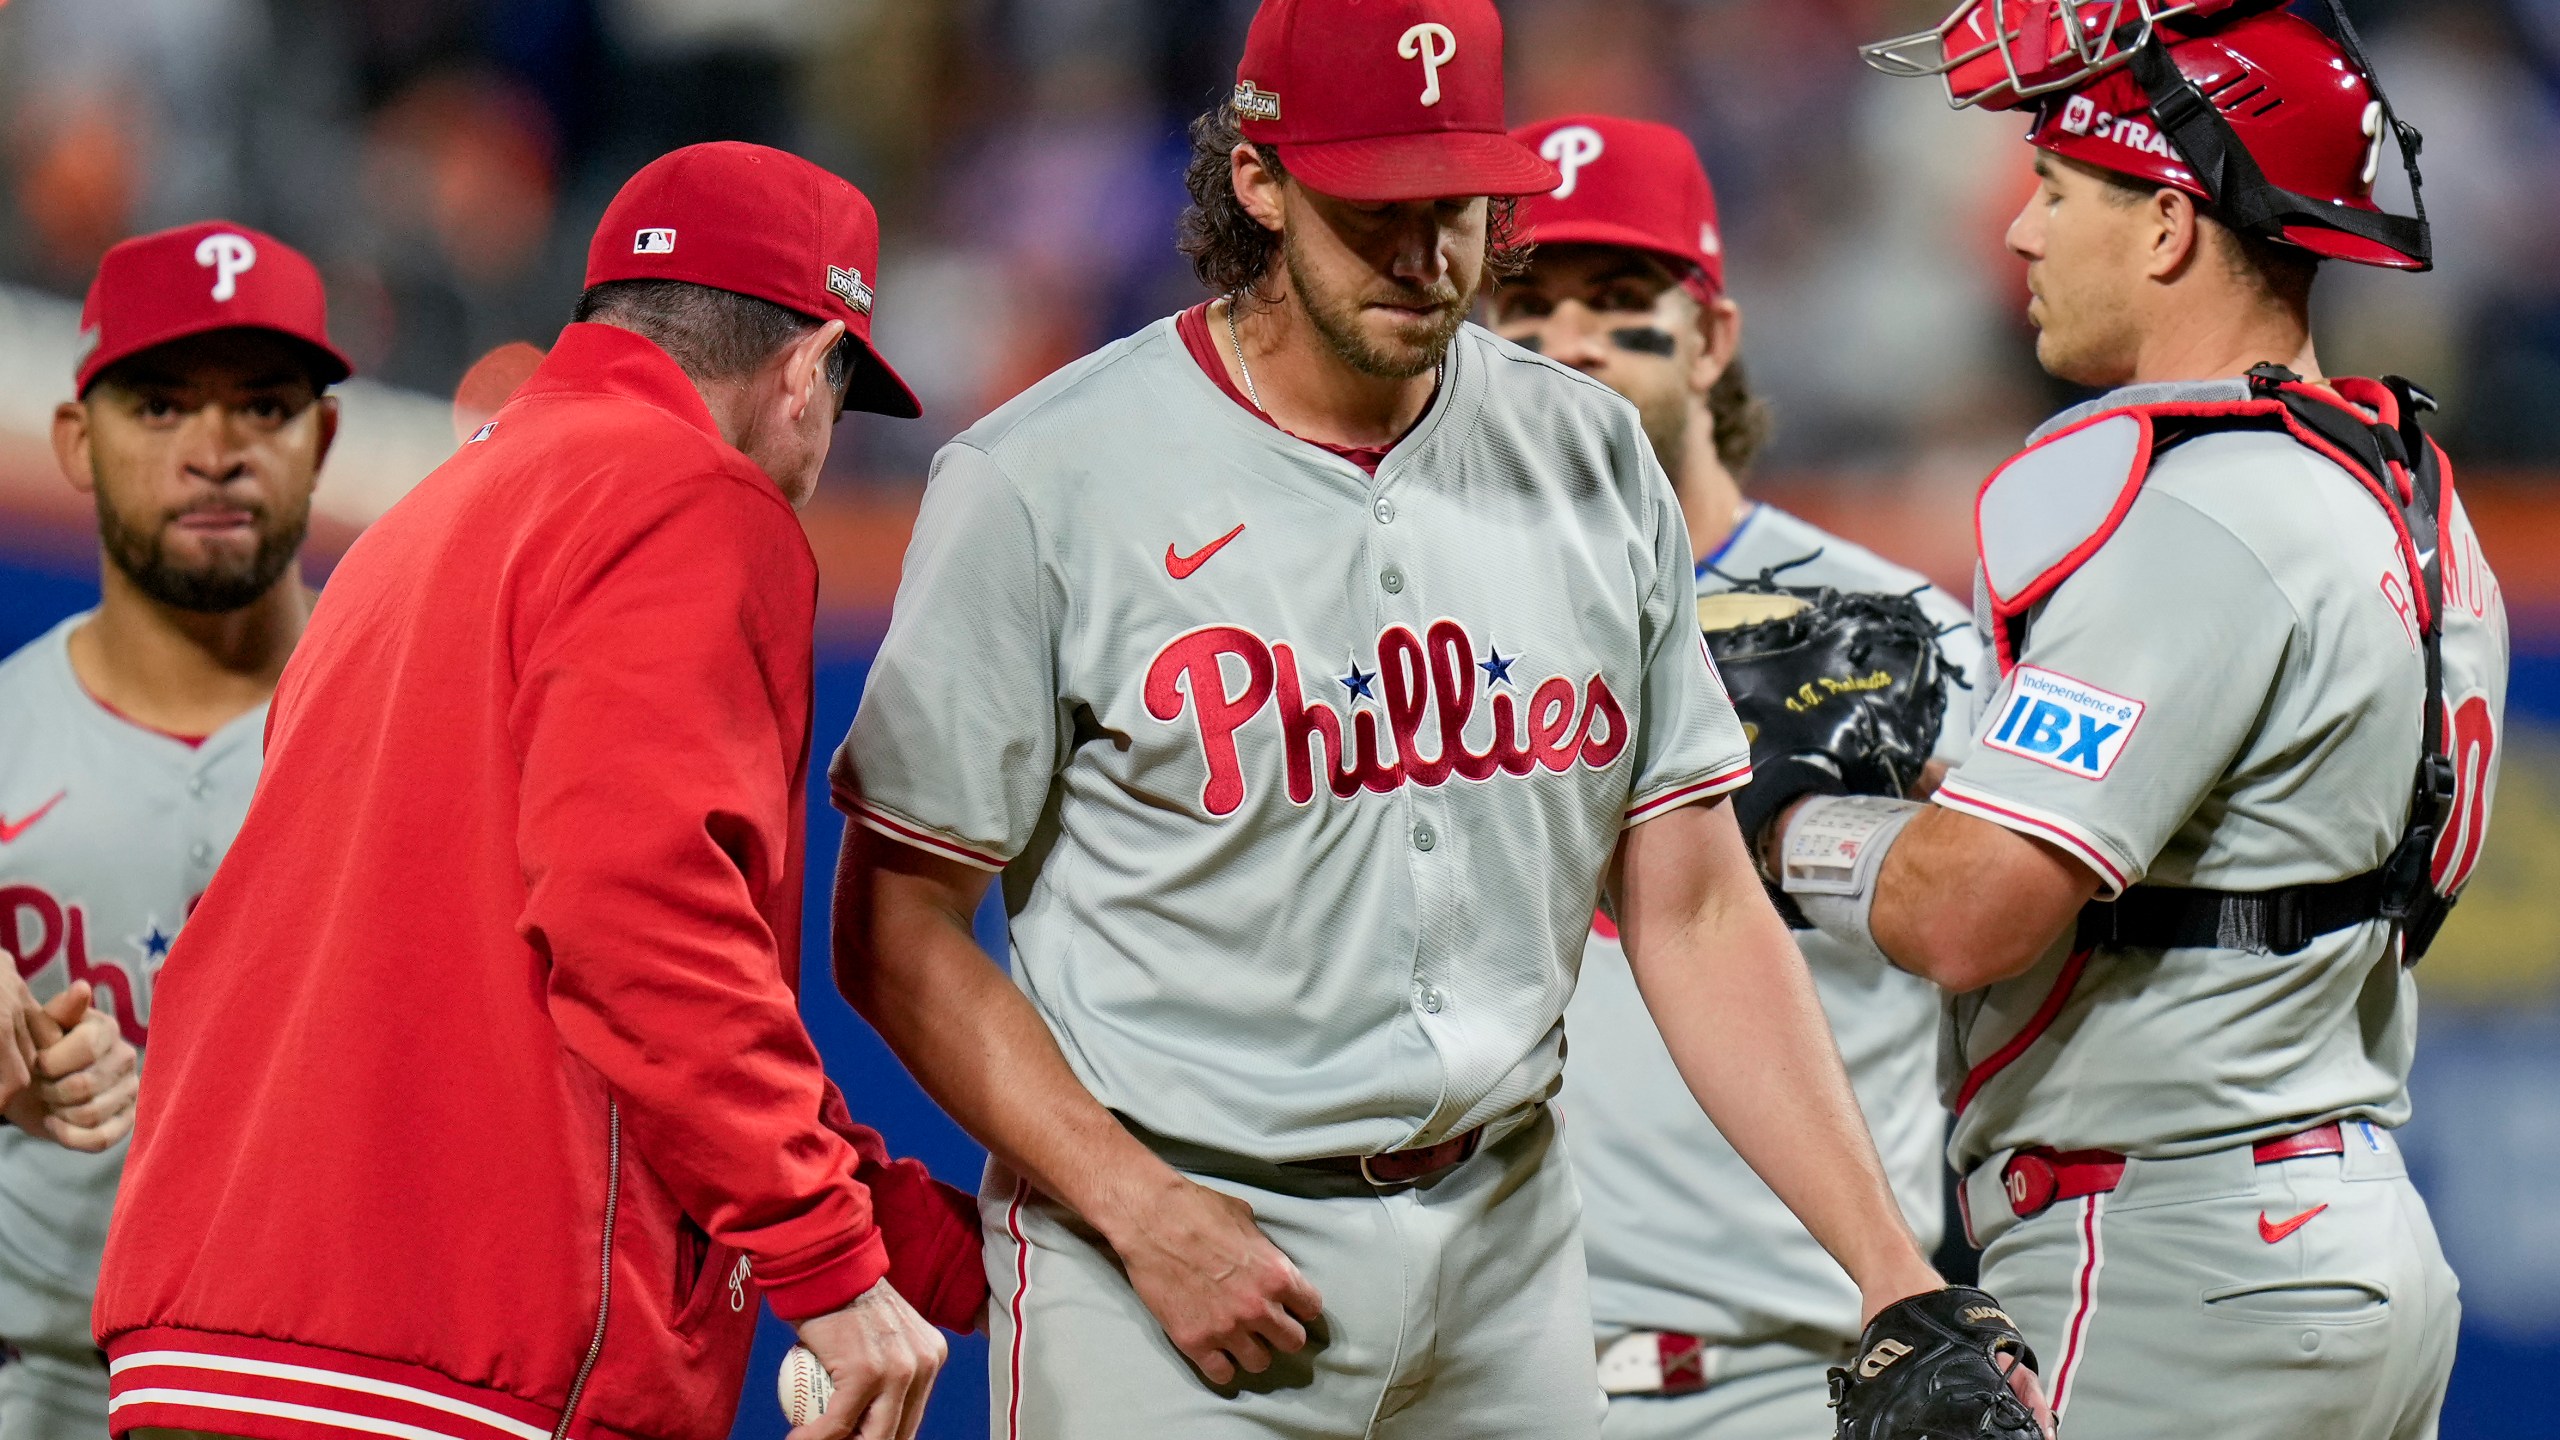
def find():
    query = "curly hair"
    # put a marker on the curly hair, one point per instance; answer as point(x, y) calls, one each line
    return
point(1231, 251)
point(1742, 420)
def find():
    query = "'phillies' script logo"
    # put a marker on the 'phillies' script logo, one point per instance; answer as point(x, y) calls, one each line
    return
point(63, 931)
point(1428, 681)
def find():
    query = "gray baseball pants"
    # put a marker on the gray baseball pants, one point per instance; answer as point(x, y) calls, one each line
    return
point(2214, 1296)
point(1455, 1309)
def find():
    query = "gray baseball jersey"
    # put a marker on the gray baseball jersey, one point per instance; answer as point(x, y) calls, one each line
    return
point(108, 833)
point(1301, 780)
point(2227, 694)
point(1681, 1235)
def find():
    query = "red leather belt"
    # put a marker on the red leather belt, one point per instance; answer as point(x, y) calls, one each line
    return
point(2038, 1178)
point(1402, 1167)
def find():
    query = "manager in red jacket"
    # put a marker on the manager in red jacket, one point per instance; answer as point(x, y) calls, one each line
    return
point(479, 1104)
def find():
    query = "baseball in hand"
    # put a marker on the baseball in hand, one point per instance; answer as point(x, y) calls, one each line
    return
point(804, 1386)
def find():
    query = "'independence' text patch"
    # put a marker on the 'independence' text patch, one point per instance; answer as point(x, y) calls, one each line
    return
point(2055, 720)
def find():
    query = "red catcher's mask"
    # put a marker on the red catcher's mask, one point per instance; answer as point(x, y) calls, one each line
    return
point(2276, 127)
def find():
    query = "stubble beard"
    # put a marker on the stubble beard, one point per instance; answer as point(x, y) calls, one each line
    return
point(1337, 322)
point(215, 587)
point(1665, 417)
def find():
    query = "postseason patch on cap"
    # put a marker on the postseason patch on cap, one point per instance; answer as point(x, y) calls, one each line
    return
point(1255, 104)
point(847, 286)
point(2058, 721)
point(654, 242)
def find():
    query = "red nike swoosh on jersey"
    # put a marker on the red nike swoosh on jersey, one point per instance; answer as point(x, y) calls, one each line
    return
point(1181, 566)
point(2273, 1233)
point(9, 832)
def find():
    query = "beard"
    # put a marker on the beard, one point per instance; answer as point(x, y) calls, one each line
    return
point(1665, 417)
point(1337, 320)
point(210, 587)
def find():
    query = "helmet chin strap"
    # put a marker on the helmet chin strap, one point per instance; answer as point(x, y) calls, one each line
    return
point(2243, 197)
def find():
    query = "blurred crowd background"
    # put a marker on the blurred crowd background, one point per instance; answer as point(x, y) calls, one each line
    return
point(444, 160)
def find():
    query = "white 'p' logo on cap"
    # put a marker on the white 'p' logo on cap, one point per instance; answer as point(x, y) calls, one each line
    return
point(1431, 43)
point(228, 256)
point(1569, 148)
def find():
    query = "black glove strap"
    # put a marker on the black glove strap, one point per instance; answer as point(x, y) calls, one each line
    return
point(2242, 196)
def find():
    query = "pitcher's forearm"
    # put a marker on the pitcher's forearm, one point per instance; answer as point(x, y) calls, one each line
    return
point(910, 966)
point(1736, 1006)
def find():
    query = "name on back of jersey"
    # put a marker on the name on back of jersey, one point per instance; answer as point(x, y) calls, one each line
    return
point(2055, 720)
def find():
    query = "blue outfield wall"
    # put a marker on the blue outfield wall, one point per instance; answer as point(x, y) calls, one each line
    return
point(2486, 1142)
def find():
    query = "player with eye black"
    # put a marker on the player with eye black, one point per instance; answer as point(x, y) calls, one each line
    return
point(1716, 1313)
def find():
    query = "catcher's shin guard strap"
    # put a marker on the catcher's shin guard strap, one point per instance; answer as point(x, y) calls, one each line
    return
point(1829, 859)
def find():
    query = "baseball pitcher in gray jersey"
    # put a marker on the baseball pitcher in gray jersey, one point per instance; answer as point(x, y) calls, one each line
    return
point(133, 740)
point(1716, 1315)
point(1306, 663)
point(2251, 674)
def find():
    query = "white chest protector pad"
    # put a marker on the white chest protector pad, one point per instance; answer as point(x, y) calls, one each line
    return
point(2041, 516)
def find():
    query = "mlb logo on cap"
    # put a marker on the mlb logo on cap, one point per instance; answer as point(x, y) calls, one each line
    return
point(760, 222)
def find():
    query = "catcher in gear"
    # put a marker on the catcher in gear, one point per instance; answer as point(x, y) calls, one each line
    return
point(1716, 1315)
point(2237, 762)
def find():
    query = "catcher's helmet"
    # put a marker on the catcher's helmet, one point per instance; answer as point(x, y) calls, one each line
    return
point(2276, 126)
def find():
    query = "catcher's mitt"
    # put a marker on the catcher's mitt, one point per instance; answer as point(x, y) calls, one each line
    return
point(1840, 692)
point(1927, 1370)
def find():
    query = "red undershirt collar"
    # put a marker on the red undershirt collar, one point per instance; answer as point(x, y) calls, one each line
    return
point(1193, 326)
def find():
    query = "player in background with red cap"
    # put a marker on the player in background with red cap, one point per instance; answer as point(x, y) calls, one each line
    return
point(1305, 662)
point(199, 428)
point(480, 1105)
point(1716, 1314)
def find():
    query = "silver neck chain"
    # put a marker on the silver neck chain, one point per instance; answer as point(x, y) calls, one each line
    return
point(1236, 339)
point(1439, 372)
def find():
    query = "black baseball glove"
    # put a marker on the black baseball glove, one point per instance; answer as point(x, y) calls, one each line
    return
point(1927, 1369)
point(1840, 692)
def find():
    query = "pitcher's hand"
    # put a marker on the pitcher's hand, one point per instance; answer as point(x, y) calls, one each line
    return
point(1224, 1294)
point(881, 1357)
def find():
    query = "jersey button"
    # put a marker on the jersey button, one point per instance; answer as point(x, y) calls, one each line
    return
point(1386, 510)
point(200, 852)
point(1392, 580)
point(195, 786)
point(1432, 999)
point(1424, 837)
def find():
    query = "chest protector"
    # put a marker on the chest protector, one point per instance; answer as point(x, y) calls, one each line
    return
point(2045, 513)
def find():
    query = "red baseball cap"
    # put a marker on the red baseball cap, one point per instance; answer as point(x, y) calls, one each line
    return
point(214, 275)
point(1379, 100)
point(760, 222)
point(1626, 182)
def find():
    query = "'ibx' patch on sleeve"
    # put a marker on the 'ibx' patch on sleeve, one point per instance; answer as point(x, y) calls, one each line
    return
point(2058, 721)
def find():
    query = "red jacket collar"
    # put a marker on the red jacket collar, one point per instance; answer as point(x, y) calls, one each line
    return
point(609, 360)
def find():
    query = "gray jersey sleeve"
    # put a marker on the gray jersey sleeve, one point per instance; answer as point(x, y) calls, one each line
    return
point(1689, 743)
point(957, 739)
point(2141, 680)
